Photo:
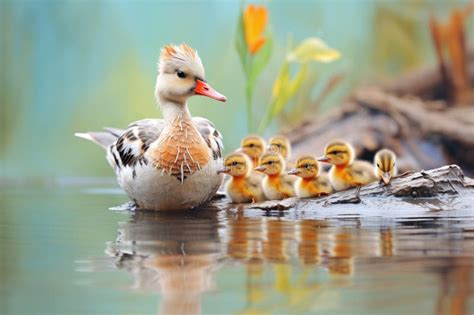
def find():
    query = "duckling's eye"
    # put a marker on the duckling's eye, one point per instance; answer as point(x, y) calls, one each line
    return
point(181, 74)
point(307, 166)
point(234, 163)
point(378, 165)
point(251, 145)
point(270, 162)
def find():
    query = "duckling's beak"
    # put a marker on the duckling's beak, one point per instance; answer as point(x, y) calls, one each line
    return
point(324, 159)
point(260, 168)
point(386, 177)
point(223, 169)
point(294, 171)
point(204, 89)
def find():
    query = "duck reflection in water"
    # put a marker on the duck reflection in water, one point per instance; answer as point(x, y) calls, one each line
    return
point(175, 255)
point(290, 265)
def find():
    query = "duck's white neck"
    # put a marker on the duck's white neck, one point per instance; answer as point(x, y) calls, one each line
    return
point(172, 111)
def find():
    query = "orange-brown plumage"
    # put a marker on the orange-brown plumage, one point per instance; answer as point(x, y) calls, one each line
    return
point(182, 150)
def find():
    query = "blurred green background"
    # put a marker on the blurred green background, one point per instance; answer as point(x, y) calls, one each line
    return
point(69, 66)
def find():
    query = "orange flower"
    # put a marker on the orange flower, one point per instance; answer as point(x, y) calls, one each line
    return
point(255, 21)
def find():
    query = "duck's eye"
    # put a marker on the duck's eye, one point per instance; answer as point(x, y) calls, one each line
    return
point(270, 162)
point(378, 165)
point(181, 74)
point(234, 163)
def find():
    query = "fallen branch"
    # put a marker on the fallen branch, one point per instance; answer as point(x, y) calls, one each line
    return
point(446, 181)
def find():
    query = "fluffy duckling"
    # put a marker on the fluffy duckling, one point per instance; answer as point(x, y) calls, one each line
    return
point(244, 186)
point(310, 183)
point(280, 144)
point(384, 165)
point(276, 184)
point(345, 172)
point(254, 147)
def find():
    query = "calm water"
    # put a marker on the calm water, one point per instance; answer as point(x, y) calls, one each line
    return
point(64, 252)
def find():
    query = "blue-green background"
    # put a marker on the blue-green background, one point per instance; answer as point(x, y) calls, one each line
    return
point(69, 66)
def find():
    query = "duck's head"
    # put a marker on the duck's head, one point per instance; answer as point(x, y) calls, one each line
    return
point(338, 153)
point(236, 165)
point(280, 144)
point(253, 146)
point(271, 164)
point(306, 167)
point(181, 75)
point(384, 165)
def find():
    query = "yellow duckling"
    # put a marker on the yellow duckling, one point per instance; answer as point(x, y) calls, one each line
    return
point(280, 144)
point(345, 172)
point(254, 147)
point(244, 186)
point(276, 184)
point(310, 183)
point(384, 165)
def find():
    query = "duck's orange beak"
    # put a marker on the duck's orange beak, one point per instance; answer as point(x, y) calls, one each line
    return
point(324, 159)
point(204, 89)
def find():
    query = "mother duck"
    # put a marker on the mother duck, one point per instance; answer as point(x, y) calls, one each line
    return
point(169, 163)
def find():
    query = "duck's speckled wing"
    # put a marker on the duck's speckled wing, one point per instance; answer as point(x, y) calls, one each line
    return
point(130, 147)
point(211, 135)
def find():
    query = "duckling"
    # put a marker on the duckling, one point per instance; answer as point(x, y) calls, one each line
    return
point(280, 144)
point(310, 183)
point(345, 172)
point(244, 186)
point(276, 185)
point(384, 165)
point(254, 147)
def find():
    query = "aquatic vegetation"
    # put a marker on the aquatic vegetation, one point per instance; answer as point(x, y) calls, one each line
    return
point(286, 86)
point(254, 46)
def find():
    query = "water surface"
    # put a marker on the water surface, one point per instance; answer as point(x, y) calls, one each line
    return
point(64, 252)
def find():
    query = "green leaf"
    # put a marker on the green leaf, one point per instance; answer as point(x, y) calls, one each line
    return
point(240, 44)
point(281, 80)
point(261, 58)
point(296, 83)
point(313, 49)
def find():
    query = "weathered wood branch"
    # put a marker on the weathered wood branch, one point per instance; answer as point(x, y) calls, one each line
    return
point(413, 116)
point(424, 134)
point(403, 191)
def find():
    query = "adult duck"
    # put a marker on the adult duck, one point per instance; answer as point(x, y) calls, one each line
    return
point(170, 163)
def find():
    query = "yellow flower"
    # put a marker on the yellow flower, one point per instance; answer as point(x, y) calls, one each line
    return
point(255, 21)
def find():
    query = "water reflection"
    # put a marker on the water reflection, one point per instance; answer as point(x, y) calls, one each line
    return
point(299, 266)
point(173, 255)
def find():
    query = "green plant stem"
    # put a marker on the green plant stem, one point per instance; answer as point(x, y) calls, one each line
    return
point(266, 119)
point(248, 98)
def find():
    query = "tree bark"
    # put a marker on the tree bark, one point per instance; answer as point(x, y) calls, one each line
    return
point(444, 187)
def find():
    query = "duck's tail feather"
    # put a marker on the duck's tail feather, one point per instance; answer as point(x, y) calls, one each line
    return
point(102, 138)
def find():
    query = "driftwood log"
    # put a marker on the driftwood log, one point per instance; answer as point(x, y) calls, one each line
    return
point(441, 188)
point(423, 134)
point(411, 115)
